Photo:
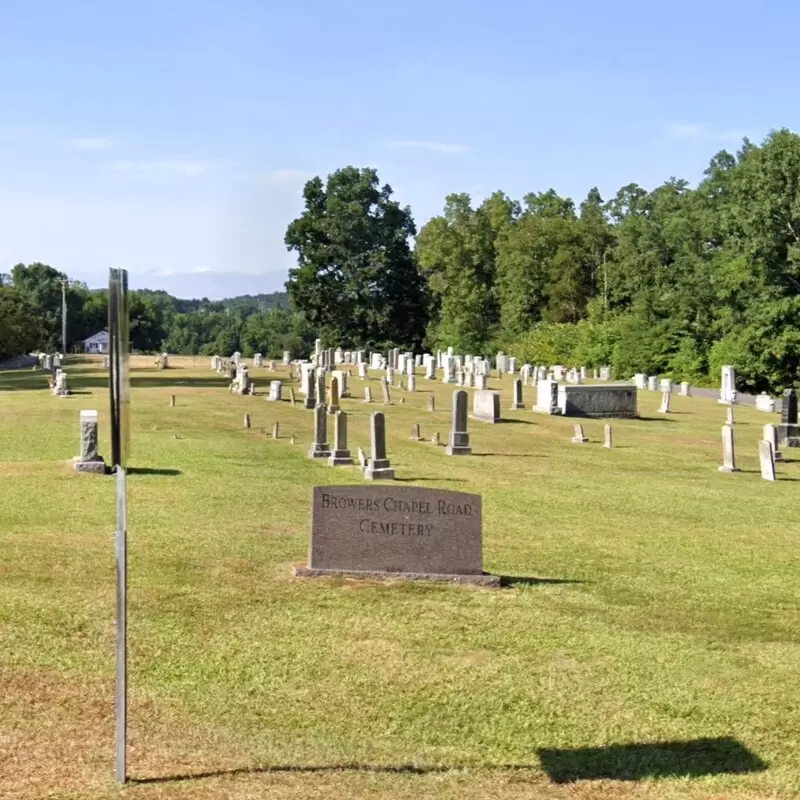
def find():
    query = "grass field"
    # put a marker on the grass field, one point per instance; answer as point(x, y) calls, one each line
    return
point(651, 600)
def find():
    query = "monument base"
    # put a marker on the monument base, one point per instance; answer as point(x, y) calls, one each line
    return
point(478, 580)
point(457, 450)
point(729, 469)
point(340, 458)
point(384, 474)
point(319, 451)
point(98, 467)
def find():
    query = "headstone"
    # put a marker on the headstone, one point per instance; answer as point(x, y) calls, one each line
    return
point(480, 382)
point(60, 389)
point(415, 436)
point(435, 438)
point(172, 401)
point(276, 429)
point(387, 398)
point(727, 392)
point(486, 406)
point(516, 400)
point(605, 373)
point(458, 444)
point(396, 532)
point(367, 394)
point(333, 408)
point(362, 370)
point(362, 459)
point(501, 362)
point(430, 371)
point(89, 459)
point(431, 403)
point(547, 397)
point(322, 389)
point(287, 358)
point(609, 441)
point(765, 403)
point(579, 437)
point(320, 447)
point(512, 366)
point(770, 434)
point(340, 457)
point(292, 398)
point(686, 389)
point(275, 391)
point(728, 452)
point(246, 420)
point(665, 398)
point(379, 467)
point(652, 383)
point(640, 380)
point(311, 391)
point(258, 361)
point(412, 383)
point(766, 460)
point(789, 409)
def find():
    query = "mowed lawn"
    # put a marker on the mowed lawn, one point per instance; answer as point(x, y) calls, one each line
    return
point(651, 600)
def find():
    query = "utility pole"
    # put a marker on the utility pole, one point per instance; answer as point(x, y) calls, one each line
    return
point(64, 317)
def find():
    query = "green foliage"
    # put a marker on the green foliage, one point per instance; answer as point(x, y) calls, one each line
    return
point(18, 329)
point(356, 279)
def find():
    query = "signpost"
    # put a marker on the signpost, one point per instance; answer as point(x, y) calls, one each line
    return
point(119, 385)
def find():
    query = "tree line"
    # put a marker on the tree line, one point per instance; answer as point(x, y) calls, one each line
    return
point(675, 281)
point(30, 318)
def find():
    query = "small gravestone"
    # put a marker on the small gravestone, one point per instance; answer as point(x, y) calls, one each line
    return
point(652, 383)
point(767, 460)
point(172, 401)
point(728, 451)
point(310, 401)
point(362, 459)
point(396, 532)
point(458, 444)
point(292, 396)
point(320, 447)
point(258, 361)
point(435, 438)
point(367, 394)
point(362, 370)
point(412, 383)
point(609, 441)
point(578, 435)
point(431, 403)
point(665, 399)
point(276, 429)
point(387, 398)
point(275, 391)
point(415, 437)
point(89, 459)
point(727, 392)
point(340, 457)
point(765, 403)
point(770, 434)
point(379, 467)
point(333, 408)
point(486, 406)
point(685, 390)
point(246, 420)
point(516, 401)
point(292, 439)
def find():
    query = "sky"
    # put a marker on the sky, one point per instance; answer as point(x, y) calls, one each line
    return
point(173, 137)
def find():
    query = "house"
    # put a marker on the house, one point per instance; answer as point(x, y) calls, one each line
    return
point(97, 343)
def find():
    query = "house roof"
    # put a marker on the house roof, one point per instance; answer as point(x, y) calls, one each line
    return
point(100, 336)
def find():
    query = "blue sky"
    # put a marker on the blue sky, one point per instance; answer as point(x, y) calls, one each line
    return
point(172, 137)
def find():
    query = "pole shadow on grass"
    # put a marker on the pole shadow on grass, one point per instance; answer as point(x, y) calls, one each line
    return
point(399, 769)
point(636, 761)
point(153, 471)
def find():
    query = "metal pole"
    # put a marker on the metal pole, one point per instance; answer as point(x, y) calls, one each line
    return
point(122, 627)
point(64, 318)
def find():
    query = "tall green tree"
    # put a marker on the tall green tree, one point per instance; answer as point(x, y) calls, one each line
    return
point(356, 279)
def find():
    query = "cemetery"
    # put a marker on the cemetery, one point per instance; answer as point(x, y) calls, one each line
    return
point(533, 618)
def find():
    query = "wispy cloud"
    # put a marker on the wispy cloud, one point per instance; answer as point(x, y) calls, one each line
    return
point(186, 169)
point(90, 143)
point(703, 132)
point(433, 147)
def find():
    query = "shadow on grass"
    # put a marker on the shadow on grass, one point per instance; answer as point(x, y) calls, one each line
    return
point(153, 471)
point(663, 418)
point(515, 580)
point(400, 769)
point(509, 455)
point(636, 761)
point(88, 379)
point(438, 480)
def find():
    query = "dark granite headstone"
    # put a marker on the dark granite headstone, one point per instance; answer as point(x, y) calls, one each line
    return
point(789, 409)
point(396, 532)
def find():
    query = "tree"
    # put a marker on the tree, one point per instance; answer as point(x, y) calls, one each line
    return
point(356, 279)
point(18, 329)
